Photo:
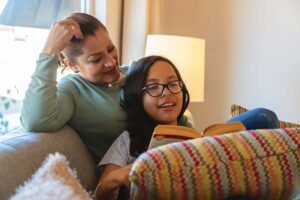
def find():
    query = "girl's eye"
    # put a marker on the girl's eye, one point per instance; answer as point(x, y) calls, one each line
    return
point(173, 84)
point(153, 87)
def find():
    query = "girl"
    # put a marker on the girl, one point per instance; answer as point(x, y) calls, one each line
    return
point(154, 93)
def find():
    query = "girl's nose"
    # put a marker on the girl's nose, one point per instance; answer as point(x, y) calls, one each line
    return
point(166, 92)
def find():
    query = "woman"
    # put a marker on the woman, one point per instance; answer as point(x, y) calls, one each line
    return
point(89, 100)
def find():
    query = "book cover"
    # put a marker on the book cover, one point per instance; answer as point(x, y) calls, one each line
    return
point(165, 134)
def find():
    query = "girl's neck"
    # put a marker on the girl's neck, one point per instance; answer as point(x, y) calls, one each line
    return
point(171, 123)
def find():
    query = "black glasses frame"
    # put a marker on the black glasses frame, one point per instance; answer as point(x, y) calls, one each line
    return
point(167, 85)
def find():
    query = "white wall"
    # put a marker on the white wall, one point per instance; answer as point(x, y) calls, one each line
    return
point(252, 53)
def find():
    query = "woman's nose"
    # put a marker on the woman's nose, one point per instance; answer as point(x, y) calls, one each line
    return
point(109, 61)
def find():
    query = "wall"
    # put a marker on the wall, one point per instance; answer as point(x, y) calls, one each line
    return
point(135, 29)
point(109, 12)
point(252, 53)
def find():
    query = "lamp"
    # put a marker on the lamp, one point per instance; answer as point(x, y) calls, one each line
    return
point(187, 54)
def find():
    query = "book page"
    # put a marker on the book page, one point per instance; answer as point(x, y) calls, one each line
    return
point(165, 134)
point(223, 128)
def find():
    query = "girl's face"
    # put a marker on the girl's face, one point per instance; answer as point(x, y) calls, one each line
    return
point(98, 63)
point(165, 108)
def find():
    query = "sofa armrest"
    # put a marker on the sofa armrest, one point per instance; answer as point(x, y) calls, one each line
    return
point(22, 153)
point(261, 164)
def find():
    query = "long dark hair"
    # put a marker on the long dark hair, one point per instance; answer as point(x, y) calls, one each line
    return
point(140, 124)
point(89, 25)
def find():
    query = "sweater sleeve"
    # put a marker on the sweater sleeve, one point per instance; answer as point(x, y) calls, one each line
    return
point(45, 108)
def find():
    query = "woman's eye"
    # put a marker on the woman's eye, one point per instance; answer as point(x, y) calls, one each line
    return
point(111, 49)
point(95, 61)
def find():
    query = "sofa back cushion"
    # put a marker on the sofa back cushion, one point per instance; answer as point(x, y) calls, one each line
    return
point(21, 154)
point(262, 164)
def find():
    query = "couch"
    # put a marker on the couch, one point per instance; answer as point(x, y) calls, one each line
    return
point(21, 154)
point(187, 170)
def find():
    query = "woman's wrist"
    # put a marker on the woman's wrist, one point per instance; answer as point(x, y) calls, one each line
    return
point(50, 51)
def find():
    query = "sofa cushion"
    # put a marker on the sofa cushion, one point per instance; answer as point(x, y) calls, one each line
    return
point(237, 110)
point(262, 164)
point(53, 180)
point(21, 153)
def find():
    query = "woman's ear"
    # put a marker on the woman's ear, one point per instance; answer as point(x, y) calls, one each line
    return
point(71, 65)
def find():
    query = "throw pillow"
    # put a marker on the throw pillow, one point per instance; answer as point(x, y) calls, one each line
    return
point(256, 164)
point(53, 180)
point(237, 110)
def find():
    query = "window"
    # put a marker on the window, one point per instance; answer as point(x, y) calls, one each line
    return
point(24, 26)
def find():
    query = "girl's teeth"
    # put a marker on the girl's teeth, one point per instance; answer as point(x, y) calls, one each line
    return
point(167, 104)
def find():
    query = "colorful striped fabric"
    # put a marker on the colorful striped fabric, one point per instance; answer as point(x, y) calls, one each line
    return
point(237, 110)
point(263, 164)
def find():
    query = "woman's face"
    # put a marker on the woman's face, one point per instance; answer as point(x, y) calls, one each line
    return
point(98, 63)
point(165, 108)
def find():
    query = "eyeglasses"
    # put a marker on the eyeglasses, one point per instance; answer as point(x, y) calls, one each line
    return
point(156, 89)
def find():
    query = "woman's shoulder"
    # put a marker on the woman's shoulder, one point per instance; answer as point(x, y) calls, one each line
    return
point(70, 79)
point(73, 83)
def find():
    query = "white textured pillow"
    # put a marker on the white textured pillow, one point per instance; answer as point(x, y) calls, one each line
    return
point(53, 180)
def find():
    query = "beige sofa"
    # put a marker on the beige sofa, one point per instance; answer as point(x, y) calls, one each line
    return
point(22, 153)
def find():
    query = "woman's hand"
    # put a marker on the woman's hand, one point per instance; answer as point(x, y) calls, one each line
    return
point(60, 36)
point(112, 178)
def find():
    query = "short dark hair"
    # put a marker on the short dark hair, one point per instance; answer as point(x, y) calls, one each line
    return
point(140, 124)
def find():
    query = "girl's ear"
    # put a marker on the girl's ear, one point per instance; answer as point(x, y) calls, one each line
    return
point(71, 65)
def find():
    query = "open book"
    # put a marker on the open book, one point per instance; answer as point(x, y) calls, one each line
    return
point(165, 134)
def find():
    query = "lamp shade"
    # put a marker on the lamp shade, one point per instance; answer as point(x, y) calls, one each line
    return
point(187, 54)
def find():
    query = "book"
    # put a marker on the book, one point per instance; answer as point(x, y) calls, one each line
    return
point(165, 134)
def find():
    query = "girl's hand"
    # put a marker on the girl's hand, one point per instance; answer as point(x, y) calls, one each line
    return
point(60, 36)
point(112, 178)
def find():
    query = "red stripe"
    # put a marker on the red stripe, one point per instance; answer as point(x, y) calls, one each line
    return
point(261, 142)
point(220, 192)
point(189, 150)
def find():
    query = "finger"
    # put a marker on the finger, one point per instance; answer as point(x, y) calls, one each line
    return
point(78, 34)
point(71, 22)
point(74, 29)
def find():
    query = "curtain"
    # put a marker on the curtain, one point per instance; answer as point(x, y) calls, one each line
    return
point(37, 13)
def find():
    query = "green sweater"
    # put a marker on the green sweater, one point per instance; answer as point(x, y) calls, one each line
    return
point(92, 110)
